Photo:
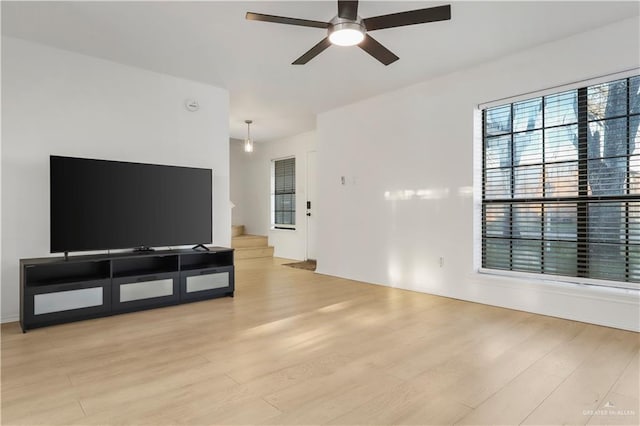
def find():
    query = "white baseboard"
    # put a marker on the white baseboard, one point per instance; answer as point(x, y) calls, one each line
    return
point(610, 307)
point(11, 318)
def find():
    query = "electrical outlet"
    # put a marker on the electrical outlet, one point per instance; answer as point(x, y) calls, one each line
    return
point(441, 261)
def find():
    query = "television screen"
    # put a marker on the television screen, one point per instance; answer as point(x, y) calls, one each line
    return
point(99, 205)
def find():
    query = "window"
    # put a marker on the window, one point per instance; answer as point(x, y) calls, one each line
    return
point(283, 194)
point(561, 184)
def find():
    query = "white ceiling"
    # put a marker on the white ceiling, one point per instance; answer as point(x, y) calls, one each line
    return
point(211, 42)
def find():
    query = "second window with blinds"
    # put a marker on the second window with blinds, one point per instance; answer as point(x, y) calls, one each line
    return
point(283, 193)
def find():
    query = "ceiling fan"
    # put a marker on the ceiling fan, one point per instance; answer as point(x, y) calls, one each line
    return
point(349, 29)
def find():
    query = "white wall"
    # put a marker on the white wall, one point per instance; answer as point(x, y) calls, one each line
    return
point(237, 180)
point(422, 139)
point(254, 200)
point(58, 102)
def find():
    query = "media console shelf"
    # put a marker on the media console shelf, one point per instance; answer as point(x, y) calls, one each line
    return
point(54, 290)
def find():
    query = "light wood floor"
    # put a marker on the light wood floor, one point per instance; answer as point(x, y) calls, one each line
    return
point(294, 347)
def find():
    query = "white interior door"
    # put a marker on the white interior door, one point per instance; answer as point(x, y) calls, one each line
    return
point(311, 205)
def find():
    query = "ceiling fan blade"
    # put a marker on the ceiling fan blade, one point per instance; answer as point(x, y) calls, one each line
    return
point(284, 20)
point(348, 9)
point(420, 16)
point(378, 51)
point(313, 52)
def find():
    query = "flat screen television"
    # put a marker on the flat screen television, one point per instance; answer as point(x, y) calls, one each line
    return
point(100, 204)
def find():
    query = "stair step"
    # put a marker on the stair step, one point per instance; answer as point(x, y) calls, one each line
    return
point(244, 241)
point(237, 230)
point(253, 252)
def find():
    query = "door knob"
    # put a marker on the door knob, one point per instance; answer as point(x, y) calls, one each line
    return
point(308, 214)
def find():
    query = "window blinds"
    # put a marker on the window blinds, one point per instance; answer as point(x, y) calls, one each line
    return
point(285, 192)
point(561, 184)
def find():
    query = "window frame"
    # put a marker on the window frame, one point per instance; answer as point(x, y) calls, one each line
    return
point(273, 211)
point(582, 199)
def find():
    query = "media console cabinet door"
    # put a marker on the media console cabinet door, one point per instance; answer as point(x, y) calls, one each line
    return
point(210, 282)
point(146, 290)
point(130, 293)
point(207, 282)
point(67, 300)
point(59, 303)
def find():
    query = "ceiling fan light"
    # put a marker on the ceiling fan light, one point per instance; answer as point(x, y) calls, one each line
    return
point(346, 34)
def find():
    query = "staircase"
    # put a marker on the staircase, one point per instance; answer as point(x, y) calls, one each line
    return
point(249, 246)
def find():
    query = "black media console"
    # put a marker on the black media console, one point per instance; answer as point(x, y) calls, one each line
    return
point(54, 290)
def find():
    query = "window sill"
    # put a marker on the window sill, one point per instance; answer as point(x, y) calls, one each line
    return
point(567, 285)
point(282, 228)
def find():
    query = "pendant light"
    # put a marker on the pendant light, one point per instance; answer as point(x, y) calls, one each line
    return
point(248, 143)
